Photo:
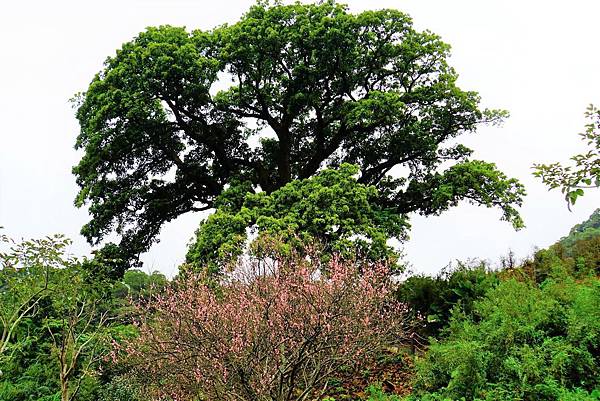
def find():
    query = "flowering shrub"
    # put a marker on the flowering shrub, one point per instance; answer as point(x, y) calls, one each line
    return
point(264, 336)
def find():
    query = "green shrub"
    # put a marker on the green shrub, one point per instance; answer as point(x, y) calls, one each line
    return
point(375, 393)
point(522, 342)
point(433, 298)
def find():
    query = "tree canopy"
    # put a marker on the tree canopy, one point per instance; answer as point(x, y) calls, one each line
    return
point(330, 210)
point(176, 118)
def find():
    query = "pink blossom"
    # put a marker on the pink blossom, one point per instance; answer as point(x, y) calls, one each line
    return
point(265, 336)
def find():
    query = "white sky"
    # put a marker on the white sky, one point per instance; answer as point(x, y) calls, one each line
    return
point(537, 59)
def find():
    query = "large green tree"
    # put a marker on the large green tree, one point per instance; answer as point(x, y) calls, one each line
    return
point(175, 118)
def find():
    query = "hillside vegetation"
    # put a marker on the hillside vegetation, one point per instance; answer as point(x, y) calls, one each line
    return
point(525, 332)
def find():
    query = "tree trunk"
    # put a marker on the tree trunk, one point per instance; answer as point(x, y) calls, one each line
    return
point(64, 388)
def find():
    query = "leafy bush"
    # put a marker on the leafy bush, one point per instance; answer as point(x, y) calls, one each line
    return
point(431, 299)
point(524, 342)
point(376, 394)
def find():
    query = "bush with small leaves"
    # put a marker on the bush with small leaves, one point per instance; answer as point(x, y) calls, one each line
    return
point(525, 342)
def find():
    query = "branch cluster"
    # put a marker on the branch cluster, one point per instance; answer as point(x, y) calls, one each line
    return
point(274, 335)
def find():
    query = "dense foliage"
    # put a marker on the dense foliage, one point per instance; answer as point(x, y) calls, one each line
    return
point(57, 325)
point(432, 299)
point(331, 208)
point(545, 346)
point(526, 332)
point(311, 86)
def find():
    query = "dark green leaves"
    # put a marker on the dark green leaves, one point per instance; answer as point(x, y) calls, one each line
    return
point(175, 118)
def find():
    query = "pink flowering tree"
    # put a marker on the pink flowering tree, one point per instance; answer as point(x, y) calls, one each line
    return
point(274, 333)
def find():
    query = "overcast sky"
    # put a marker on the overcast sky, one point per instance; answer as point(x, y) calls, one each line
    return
point(537, 59)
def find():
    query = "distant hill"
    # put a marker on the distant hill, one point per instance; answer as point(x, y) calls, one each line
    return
point(578, 252)
point(584, 231)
